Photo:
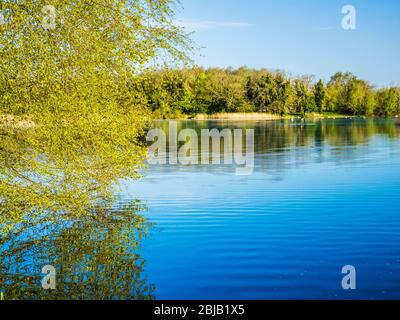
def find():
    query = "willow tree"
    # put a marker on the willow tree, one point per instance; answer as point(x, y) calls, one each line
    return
point(69, 122)
point(80, 56)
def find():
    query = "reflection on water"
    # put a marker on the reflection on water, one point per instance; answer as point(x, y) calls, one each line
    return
point(58, 208)
point(281, 144)
point(95, 258)
point(322, 196)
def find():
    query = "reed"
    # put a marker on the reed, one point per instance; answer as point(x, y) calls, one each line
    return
point(240, 116)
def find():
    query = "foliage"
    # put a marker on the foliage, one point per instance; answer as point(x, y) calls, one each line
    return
point(319, 96)
point(187, 92)
point(71, 120)
point(69, 71)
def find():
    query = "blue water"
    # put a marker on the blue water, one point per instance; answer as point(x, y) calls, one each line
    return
point(323, 195)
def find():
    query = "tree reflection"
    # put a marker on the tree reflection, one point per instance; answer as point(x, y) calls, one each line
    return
point(58, 207)
point(95, 258)
point(279, 145)
point(278, 136)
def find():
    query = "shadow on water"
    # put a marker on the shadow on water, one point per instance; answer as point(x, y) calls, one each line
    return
point(58, 207)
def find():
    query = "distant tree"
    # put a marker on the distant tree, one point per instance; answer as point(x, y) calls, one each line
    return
point(369, 103)
point(319, 96)
point(303, 96)
point(356, 96)
point(338, 92)
point(387, 102)
point(261, 91)
point(196, 90)
point(284, 95)
point(311, 105)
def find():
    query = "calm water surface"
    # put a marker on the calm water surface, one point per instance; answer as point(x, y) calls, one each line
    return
point(323, 195)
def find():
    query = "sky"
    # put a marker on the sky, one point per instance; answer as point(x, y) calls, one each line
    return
point(301, 37)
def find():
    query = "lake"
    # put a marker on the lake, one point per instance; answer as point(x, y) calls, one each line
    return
point(321, 195)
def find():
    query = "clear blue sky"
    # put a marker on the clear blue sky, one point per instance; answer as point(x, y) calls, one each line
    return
point(298, 36)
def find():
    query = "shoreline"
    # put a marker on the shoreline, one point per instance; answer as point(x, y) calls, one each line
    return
point(254, 116)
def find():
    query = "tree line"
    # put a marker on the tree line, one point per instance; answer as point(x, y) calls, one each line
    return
point(186, 92)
